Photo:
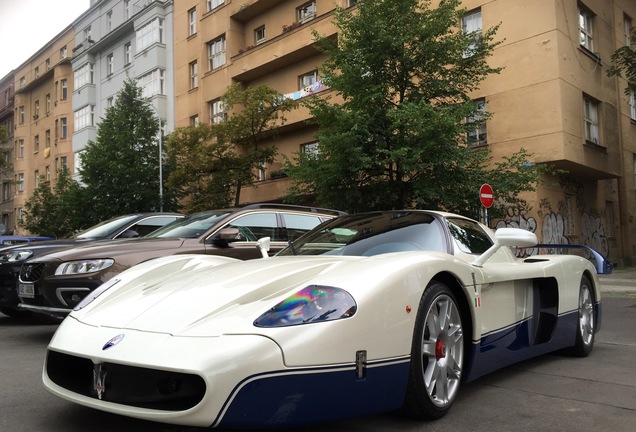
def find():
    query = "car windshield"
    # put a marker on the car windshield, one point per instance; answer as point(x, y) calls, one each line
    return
point(372, 234)
point(191, 226)
point(104, 228)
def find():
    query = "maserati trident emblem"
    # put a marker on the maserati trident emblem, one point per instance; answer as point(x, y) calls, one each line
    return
point(114, 341)
point(99, 380)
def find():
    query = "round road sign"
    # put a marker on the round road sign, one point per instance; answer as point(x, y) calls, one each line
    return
point(486, 195)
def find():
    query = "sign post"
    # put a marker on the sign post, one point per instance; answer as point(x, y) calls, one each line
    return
point(487, 198)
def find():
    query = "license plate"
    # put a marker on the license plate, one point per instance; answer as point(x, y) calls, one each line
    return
point(26, 290)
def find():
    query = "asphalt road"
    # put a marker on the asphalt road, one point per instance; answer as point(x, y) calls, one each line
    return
point(550, 393)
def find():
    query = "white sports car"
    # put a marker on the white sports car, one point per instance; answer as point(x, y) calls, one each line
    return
point(366, 313)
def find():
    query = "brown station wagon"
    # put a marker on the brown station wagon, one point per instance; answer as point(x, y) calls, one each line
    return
point(54, 283)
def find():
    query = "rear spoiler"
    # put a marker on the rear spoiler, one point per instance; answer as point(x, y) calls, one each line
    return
point(602, 264)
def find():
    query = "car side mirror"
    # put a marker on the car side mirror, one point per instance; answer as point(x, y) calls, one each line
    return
point(129, 233)
point(226, 236)
point(511, 237)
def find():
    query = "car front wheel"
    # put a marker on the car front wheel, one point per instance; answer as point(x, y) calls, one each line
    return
point(437, 354)
point(585, 327)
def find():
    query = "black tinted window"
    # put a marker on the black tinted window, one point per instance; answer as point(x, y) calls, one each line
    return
point(257, 225)
point(469, 236)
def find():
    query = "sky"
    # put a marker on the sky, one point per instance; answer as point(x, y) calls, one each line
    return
point(28, 25)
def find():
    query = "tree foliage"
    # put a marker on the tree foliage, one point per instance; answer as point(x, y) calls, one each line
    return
point(121, 168)
point(54, 211)
point(624, 63)
point(405, 73)
point(213, 162)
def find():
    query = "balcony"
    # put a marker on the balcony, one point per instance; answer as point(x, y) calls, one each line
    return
point(294, 43)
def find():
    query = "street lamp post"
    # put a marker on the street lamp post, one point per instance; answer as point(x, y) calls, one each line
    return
point(148, 103)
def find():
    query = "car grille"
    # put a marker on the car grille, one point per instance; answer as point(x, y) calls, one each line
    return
point(126, 385)
point(31, 272)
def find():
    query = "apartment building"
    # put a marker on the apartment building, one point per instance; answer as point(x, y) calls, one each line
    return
point(7, 97)
point(553, 98)
point(43, 120)
point(116, 40)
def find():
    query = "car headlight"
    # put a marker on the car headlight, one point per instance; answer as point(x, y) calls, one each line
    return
point(15, 255)
point(309, 305)
point(83, 266)
point(95, 293)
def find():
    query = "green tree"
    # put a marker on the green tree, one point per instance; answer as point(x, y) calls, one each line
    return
point(204, 171)
point(120, 170)
point(54, 211)
point(212, 163)
point(404, 72)
point(624, 63)
point(6, 167)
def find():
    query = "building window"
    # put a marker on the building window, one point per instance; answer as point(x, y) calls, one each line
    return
point(632, 104)
point(63, 53)
point(22, 82)
point(627, 25)
point(259, 35)
point(127, 54)
point(48, 103)
point(87, 34)
point(150, 34)
point(6, 191)
point(21, 115)
point(64, 84)
point(310, 149)
point(37, 71)
point(306, 12)
point(48, 63)
point(109, 20)
point(477, 134)
point(47, 174)
point(213, 4)
point(590, 109)
point(84, 117)
point(47, 138)
point(262, 171)
point(217, 111)
point(194, 120)
point(126, 9)
point(63, 128)
point(586, 19)
point(216, 53)
point(192, 21)
point(20, 150)
point(194, 75)
point(152, 83)
point(36, 176)
point(83, 75)
point(36, 144)
point(20, 181)
point(307, 79)
point(471, 24)
point(36, 110)
point(109, 64)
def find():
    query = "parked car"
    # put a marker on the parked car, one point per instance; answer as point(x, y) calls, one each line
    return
point(54, 283)
point(366, 313)
point(11, 258)
point(11, 240)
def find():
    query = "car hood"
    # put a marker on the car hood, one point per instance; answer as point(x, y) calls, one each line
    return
point(113, 248)
point(203, 295)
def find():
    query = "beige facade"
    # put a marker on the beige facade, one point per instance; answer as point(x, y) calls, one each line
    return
point(43, 118)
point(553, 98)
point(7, 98)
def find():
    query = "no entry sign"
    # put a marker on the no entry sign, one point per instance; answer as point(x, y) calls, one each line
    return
point(486, 195)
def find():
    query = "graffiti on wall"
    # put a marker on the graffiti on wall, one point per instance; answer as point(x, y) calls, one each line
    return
point(593, 233)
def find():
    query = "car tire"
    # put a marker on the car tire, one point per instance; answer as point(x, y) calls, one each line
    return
point(437, 354)
point(585, 323)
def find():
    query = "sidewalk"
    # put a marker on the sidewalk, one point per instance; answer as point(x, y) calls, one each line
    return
point(620, 280)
